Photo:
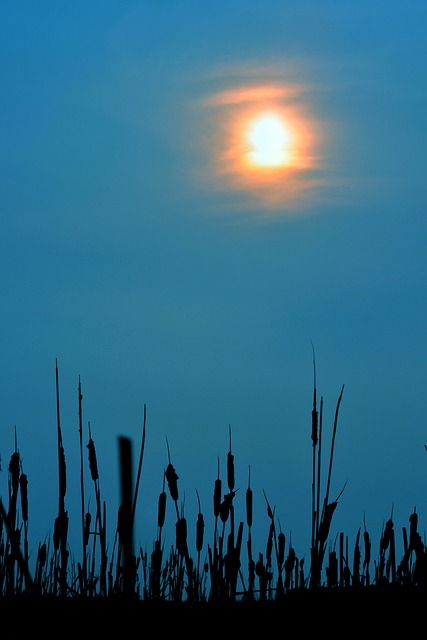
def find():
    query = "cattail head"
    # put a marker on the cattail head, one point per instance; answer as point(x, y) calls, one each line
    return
point(14, 466)
point(23, 483)
point(181, 536)
point(259, 566)
point(314, 427)
point(290, 560)
point(387, 535)
point(326, 521)
point(156, 559)
point(86, 529)
point(62, 472)
point(93, 464)
point(356, 563)
point(172, 478)
point(249, 502)
point(367, 545)
point(161, 510)
point(269, 548)
point(230, 471)
point(217, 497)
point(413, 520)
point(224, 509)
point(200, 528)
point(230, 468)
point(60, 530)
point(314, 414)
point(281, 547)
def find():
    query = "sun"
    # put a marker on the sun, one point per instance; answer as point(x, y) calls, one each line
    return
point(269, 141)
point(263, 141)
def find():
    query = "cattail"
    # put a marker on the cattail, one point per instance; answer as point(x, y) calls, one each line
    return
point(62, 472)
point(367, 543)
point(217, 495)
point(281, 540)
point(230, 467)
point(415, 541)
point(314, 423)
point(290, 560)
point(413, 520)
point(172, 478)
point(93, 464)
point(249, 502)
point(14, 471)
point(161, 510)
point(23, 483)
point(356, 560)
point(259, 566)
point(60, 529)
point(301, 577)
point(314, 413)
point(200, 527)
point(56, 534)
point(86, 529)
point(326, 521)
point(181, 536)
point(386, 537)
point(224, 509)
point(156, 558)
point(269, 548)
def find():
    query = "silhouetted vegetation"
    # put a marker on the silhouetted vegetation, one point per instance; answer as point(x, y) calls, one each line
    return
point(217, 572)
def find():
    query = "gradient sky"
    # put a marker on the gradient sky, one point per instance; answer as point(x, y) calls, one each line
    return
point(139, 251)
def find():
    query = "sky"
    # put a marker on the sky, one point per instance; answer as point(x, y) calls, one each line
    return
point(147, 252)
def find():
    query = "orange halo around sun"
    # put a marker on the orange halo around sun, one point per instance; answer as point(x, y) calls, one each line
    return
point(265, 143)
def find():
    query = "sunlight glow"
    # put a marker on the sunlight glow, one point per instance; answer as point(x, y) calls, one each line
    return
point(264, 142)
point(270, 141)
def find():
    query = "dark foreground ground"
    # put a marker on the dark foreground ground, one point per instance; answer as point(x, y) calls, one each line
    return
point(336, 613)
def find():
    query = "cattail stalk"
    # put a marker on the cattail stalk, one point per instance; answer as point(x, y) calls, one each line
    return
point(82, 494)
point(200, 529)
point(141, 456)
point(61, 522)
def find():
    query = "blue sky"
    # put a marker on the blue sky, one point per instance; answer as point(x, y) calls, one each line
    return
point(137, 251)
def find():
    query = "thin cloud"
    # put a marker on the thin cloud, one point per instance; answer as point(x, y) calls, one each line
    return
point(245, 94)
point(220, 118)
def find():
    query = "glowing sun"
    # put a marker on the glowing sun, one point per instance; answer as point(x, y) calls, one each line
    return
point(269, 140)
point(264, 141)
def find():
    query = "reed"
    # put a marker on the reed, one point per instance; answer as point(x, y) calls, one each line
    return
point(218, 571)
